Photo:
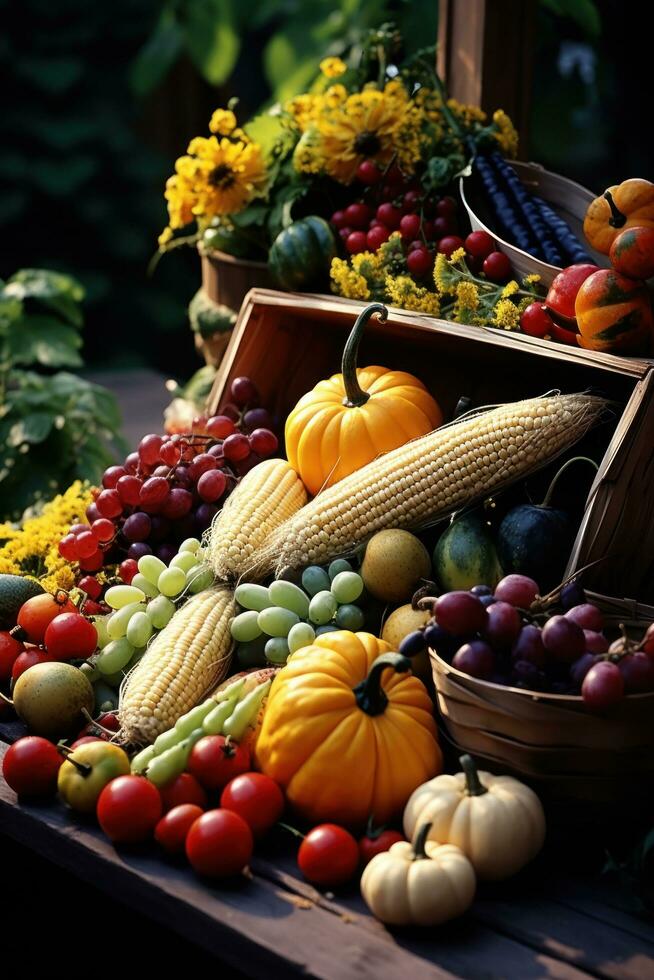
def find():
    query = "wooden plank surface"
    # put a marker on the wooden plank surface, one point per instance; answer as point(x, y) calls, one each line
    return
point(274, 922)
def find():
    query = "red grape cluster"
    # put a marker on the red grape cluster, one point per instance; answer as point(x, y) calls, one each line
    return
point(172, 486)
point(509, 638)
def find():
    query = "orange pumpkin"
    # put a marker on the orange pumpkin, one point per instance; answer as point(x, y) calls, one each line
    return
point(351, 418)
point(614, 314)
point(620, 206)
point(632, 252)
point(348, 731)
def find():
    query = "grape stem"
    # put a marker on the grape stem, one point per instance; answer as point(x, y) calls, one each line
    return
point(291, 830)
point(561, 471)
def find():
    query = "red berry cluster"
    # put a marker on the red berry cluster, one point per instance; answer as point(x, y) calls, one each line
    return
point(482, 256)
point(171, 487)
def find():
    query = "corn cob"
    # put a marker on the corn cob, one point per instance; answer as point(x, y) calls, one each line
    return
point(429, 478)
point(266, 496)
point(184, 662)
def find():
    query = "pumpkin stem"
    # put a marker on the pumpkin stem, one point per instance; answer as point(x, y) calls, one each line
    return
point(561, 471)
point(354, 393)
point(474, 785)
point(617, 219)
point(370, 695)
point(419, 851)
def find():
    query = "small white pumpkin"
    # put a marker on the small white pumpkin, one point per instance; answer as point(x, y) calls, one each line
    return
point(497, 821)
point(421, 884)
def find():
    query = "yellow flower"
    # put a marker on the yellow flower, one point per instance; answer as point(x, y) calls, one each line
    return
point(468, 114)
point(227, 175)
point(307, 155)
point(506, 134)
point(371, 124)
point(458, 255)
point(346, 282)
point(467, 301)
point(222, 122)
point(165, 237)
point(404, 292)
point(445, 276)
point(303, 109)
point(531, 280)
point(510, 289)
point(506, 315)
point(332, 67)
point(180, 194)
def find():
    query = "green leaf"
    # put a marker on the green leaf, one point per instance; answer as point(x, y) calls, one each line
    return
point(291, 61)
point(268, 130)
point(91, 459)
point(33, 428)
point(54, 290)
point(50, 74)
point(46, 341)
point(211, 38)
point(583, 12)
point(158, 55)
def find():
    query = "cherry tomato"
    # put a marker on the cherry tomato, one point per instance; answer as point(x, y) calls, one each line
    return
point(214, 760)
point(389, 215)
point(26, 660)
point(183, 789)
point(410, 226)
point(129, 809)
point(90, 584)
point(338, 220)
point(450, 244)
point(70, 637)
point(446, 207)
point(368, 172)
point(376, 842)
point(219, 844)
point(497, 267)
point(419, 262)
point(37, 613)
point(479, 244)
point(10, 649)
point(377, 236)
point(85, 739)
point(328, 855)
point(173, 828)
point(356, 241)
point(536, 321)
point(358, 216)
point(30, 766)
point(256, 798)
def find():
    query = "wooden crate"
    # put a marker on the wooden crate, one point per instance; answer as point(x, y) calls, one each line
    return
point(287, 342)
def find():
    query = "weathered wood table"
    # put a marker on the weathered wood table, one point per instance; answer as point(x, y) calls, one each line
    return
point(544, 923)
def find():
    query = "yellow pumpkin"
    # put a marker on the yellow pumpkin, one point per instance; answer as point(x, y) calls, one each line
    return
point(620, 206)
point(348, 731)
point(497, 821)
point(351, 418)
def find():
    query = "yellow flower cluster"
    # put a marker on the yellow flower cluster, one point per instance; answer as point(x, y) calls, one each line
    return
point(506, 134)
point(506, 315)
point(467, 301)
point(347, 282)
point(332, 67)
point(219, 175)
point(32, 549)
point(466, 114)
point(341, 130)
point(404, 292)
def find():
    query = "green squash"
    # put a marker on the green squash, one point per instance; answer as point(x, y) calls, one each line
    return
point(536, 539)
point(14, 591)
point(465, 555)
point(301, 255)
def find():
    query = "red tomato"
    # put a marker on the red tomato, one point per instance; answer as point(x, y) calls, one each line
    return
point(30, 766)
point(37, 613)
point(536, 321)
point(497, 267)
point(173, 828)
point(26, 660)
point(70, 637)
point(328, 855)
point(479, 244)
point(129, 809)
point(10, 649)
point(563, 291)
point(219, 844)
point(183, 789)
point(449, 244)
point(376, 842)
point(256, 798)
point(85, 739)
point(214, 760)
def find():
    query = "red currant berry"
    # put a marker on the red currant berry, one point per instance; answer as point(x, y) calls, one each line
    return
point(389, 215)
point(410, 226)
point(497, 267)
point(536, 321)
point(358, 215)
point(345, 232)
point(128, 569)
point(411, 201)
point(446, 207)
point(443, 227)
point(377, 236)
point(338, 219)
point(479, 244)
point(356, 242)
point(419, 262)
point(368, 172)
point(450, 244)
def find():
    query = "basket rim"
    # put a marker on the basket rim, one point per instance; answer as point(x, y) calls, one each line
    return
point(219, 256)
point(575, 699)
point(522, 165)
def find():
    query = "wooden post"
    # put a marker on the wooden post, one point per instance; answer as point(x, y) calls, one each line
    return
point(485, 55)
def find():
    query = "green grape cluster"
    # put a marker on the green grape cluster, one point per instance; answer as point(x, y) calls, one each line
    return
point(140, 610)
point(282, 617)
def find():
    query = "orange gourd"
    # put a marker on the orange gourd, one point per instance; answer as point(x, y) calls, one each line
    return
point(614, 314)
point(348, 731)
point(348, 420)
point(620, 206)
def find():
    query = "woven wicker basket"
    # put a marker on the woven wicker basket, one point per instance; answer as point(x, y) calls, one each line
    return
point(574, 760)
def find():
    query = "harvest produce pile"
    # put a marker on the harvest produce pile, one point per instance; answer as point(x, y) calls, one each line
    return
point(251, 642)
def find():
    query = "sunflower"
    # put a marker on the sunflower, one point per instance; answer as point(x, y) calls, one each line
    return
point(227, 175)
point(368, 125)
